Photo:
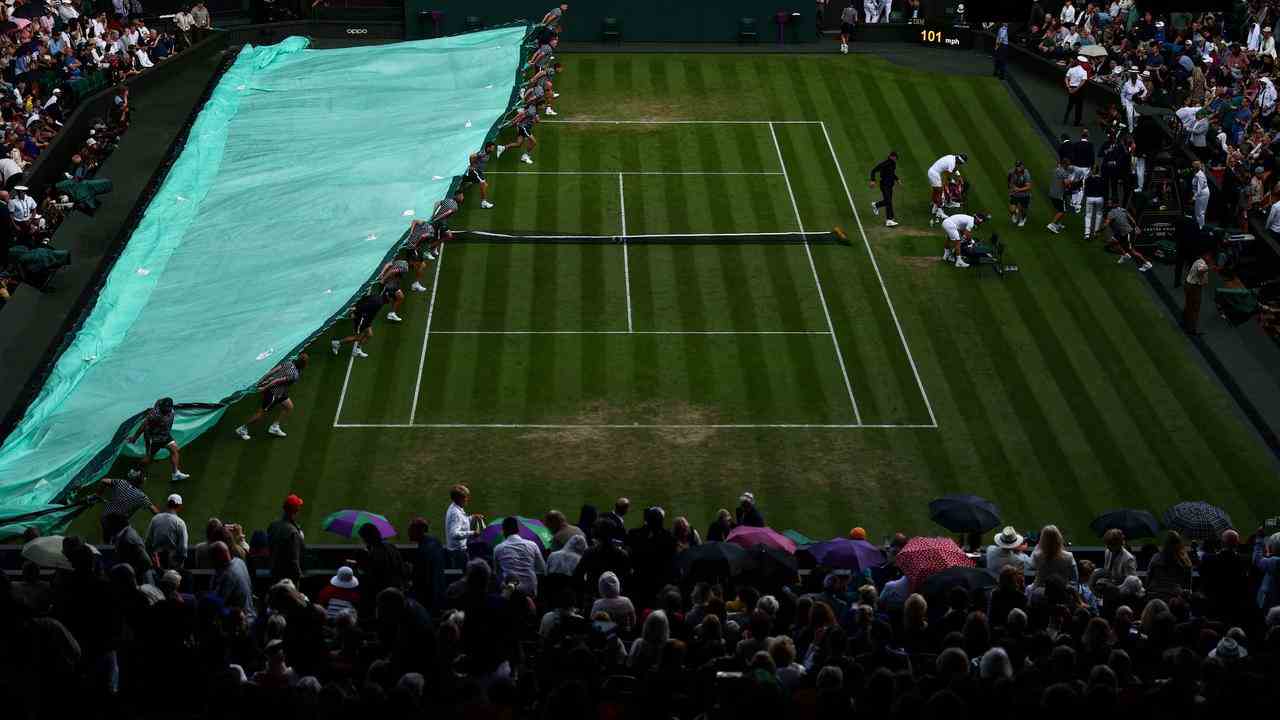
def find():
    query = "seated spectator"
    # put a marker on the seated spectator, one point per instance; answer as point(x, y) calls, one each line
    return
point(1009, 549)
point(1169, 572)
point(1050, 560)
point(614, 603)
point(341, 595)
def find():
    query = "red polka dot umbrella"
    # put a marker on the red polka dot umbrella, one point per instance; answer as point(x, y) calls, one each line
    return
point(924, 556)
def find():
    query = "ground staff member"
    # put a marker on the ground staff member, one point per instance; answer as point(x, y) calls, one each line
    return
point(1197, 278)
point(1019, 193)
point(1095, 196)
point(888, 172)
point(1001, 54)
point(1199, 192)
point(1074, 83)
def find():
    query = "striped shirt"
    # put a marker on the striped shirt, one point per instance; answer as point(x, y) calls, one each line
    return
point(849, 15)
point(447, 207)
point(479, 159)
point(157, 425)
point(534, 94)
point(124, 498)
point(287, 373)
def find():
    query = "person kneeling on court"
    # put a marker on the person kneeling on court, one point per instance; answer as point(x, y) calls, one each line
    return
point(362, 316)
point(157, 426)
point(275, 393)
point(959, 228)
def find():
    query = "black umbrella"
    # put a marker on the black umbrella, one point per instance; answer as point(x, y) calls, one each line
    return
point(772, 567)
point(713, 561)
point(1197, 520)
point(971, 579)
point(964, 513)
point(1133, 523)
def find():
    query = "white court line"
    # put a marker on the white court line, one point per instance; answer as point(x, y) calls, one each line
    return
point(681, 122)
point(638, 172)
point(628, 426)
point(342, 397)
point(632, 332)
point(876, 266)
point(835, 342)
point(422, 359)
point(488, 233)
point(626, 259)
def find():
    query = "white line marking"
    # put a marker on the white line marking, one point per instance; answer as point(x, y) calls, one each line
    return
point(681, 122)
point(422, 359)
point(632, 332)
point(624, 172)
point(630, 426)
point(342, 397)
point(626, 259)
point(488, 233)
point(876, 266)
point(835, 342)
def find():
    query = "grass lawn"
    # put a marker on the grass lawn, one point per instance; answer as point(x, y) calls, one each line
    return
point(681, 375)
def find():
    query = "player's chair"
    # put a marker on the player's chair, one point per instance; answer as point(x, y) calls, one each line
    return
point(471, 23)
point(747, 31)
point(611, 30)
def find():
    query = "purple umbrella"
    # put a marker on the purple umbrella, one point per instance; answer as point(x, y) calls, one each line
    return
point(347, 523)
point(846, 554)
point(528, 528)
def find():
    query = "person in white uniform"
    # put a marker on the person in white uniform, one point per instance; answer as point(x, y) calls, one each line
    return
point(958, 228)
point(1199, 192)
point(938, 172)
point(1132, 92)
point(886, 7)
point(871, 11)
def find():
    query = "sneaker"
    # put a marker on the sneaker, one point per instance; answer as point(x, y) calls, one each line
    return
point(501, 149)
point(947, 256)
point(933, 221)
point(179, 476)
point(1145, 267)
point(275, 430)
point(357, 352)
point(486, 204)
point(432, 256)
point(1054, 228)
point(526, 159)
point(960, 263)
point(1122, 259)
point(1022, 222)
point(243, 432)
point(393, 317)
point(891, 223)
point(551, 111)
point(953, 204)
point(335, 345)
point(875, 209)
point(555, 94)
point(416, 287)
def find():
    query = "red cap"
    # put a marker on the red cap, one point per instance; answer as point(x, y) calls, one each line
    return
point(857, 534)
point(293, 501)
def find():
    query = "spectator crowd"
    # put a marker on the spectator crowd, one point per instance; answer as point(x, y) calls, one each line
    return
point(53, 53)
point(608, 619)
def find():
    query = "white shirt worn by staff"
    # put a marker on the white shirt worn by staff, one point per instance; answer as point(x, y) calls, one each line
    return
point(1068, 14)
point(457, 528)
point(1076, 76)
point(1196, 127)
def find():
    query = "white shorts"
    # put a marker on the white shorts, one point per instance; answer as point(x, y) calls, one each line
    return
point(953, 233)
point(935, 179)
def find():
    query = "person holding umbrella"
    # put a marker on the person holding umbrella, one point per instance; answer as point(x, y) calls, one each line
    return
point(380, 565)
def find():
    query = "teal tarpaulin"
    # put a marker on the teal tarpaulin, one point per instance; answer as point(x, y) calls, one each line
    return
point(298, 178)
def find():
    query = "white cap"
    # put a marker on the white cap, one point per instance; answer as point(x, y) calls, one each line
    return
point(23, 188)
point(174, 500)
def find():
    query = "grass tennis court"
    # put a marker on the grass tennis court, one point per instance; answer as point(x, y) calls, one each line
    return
point(842, 384)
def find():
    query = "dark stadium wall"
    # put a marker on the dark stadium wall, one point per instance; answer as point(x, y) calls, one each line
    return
point(652, 21)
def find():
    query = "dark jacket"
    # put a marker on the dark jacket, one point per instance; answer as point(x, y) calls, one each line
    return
point(749, 515)
point(429, 563)
point(131, 549)
point(284, 539)
point(888, 171)
point(1082, 153)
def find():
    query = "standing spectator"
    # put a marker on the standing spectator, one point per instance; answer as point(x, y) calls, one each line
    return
point(10, 171)
point(1095, 198)
point(565, 560)
point(380, 564)
point(652, 549)
point(747, 513)
point(1224, 577)
point(457, 525)
point(130, 548)
point(430, 560)
point(1195, 281)
point(1074, 84)
point(200, 17)
point(1067, 14)
point(517, 560)
point(1009, 549)
point(286, 543)
point(721, 526)
point(1169, 573)
point(1266, 558)
point(1199, 192)
point(1000, 56)
point(22, 210)
point(614, 603)
point(231, 581)
point(167, 534)
point(684, 535)
point(1051, 560)
point(184, 22)
point(560, 529)
point(616, 522)
point(888, 172)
